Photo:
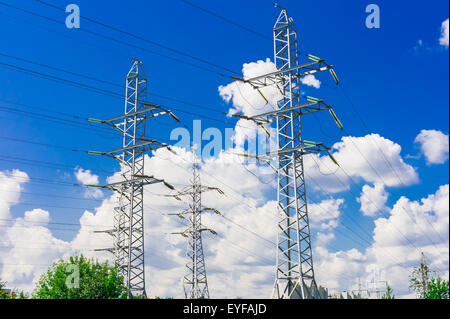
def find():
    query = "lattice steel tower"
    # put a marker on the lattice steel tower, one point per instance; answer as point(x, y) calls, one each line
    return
point(295, 272)
point(128, 232)
point(195, 283)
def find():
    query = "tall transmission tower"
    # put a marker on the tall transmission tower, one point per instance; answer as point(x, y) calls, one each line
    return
point(295, 272)
point(420, 277)
point(128, 232)
point(195, 283)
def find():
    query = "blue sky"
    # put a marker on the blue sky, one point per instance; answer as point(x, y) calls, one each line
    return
point(398, 86)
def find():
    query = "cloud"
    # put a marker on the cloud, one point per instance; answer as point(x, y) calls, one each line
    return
point(325, 214)
point(240, 260)
point(229, 256)
point(360, 158)
point(434, 145)
point(28, 245)
point(412, 217)
point(28, 249)
point(324, 238)
point(39, 216)
point(373, 199)
point(414, 227)
point(310, 80)
point(231, 253)
point(85, 177)
point(443, 40)
point(244, 98)
point(411, 227)
point(10, 187)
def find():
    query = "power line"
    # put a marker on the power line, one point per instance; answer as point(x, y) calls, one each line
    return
point(248, 230)
point(107, 92)
point(228, 21)
point(144, 39)
point(254, 208)
point(42, 144)
point(61, 70)
point(384, 182)
point(358, 224)
point(52, 119)
point(379, 177)
point(58, 79)
point(85, 30)
point(50, 223)
point(89, 77)
point(50, 195)
point(398, 176)
point(380, 210)
point(242, 227)
point(48, 164)
point(346, 96)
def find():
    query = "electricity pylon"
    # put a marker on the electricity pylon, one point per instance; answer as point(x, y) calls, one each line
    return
point(295, 272)
point(420, 277)
point(128, 232)
point(195, 283)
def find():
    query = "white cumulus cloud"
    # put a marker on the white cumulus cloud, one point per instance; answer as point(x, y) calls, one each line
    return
point(311, 80)
point(325, 215)
point(39, 216)
point(434, 145)
point(10, 187)
point(360, 158)
point(412, 227)
point(373, 199)
point(443, 40)
point(240, 259)
point(85, 177)
point(244, 98)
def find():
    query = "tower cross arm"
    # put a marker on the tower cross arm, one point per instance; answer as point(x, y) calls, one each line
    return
point(206, 209)
point(189, 191)
point(140, 180)
point(119, 121)
point(273, 78)
point(305, 149)
point(313, 105)
point(145, 146)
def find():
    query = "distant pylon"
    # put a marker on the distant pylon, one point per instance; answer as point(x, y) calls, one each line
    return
point(195, 283)
point(295, 272)
point(128, 232)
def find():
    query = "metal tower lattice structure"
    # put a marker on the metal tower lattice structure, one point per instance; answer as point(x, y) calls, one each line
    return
point(128, 232)
point(295, 272)
point(195, 283)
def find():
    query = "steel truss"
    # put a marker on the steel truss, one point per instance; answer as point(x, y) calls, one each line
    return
point(195, 283)
point(295, 277)
point(128, 232)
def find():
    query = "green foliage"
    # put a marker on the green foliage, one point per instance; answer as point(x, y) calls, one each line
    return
point(3, 293)
point(96, 281)
point(438, 289)
point(14, 294)
point(426, 288)
point(389, 293)
point(420, 278)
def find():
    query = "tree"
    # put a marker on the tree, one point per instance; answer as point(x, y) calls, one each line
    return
point(420, 278)
point(389, 293)
point(438, 289)
point(80, 278)
point(3, 293)
point(14, 294)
